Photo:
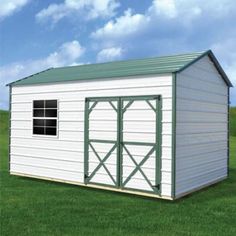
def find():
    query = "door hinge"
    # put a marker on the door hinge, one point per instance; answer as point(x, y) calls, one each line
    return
point(156, 186)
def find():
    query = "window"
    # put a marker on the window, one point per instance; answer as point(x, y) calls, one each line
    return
point(45, 117)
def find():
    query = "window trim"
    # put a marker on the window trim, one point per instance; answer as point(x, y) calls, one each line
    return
point(44, 136)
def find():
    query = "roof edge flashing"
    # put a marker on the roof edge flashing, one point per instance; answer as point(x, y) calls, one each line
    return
point(12, 83)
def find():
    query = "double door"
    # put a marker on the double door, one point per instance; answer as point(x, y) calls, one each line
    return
point(123, 142)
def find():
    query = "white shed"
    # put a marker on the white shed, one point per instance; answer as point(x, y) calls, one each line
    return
point(156, 127)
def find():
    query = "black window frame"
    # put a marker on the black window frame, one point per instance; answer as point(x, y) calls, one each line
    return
point(48, 114)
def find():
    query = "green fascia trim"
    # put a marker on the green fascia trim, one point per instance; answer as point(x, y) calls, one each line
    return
point(220, 69)
point(173, 167)
point(28, 77)
point(9, 130)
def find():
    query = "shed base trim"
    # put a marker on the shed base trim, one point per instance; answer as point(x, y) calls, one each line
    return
point(92, 186)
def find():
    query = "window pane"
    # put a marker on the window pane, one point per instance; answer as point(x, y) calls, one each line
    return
point(51, 122)
point(51, 112)
point(39, 122)
point(51, 131)
point(51, 103)
point(39, 104)
point(45, 108)
point(38, 113)
point(38, 130)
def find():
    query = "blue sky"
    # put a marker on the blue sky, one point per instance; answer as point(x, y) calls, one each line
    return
point(36, 34)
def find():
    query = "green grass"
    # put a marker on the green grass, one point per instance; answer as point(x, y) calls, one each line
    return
point(232, 123)
point(34, 207)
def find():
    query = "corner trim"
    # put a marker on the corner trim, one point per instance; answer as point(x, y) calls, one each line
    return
point(9, 129)
point(173, 162)
point(228, 142)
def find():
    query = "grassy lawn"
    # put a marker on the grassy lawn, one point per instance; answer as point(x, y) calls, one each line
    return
point(34, 207)
point(232, 115)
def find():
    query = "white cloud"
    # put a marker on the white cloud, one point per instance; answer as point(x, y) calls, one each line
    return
point(191, 8)
point(123, 26)
point(8, 7)
point(164, 7)
point(181, 13)
point(89, 9)
point(173, 9)
point(67, 54)
point(110, 54)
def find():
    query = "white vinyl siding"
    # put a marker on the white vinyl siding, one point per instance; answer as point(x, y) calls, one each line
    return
point(201, 128)
point(62, 157)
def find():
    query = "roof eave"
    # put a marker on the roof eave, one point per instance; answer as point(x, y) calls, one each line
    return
point(10, 84)
point(219, 68)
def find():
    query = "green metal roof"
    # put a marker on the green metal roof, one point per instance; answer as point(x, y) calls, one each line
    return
point(156, 65)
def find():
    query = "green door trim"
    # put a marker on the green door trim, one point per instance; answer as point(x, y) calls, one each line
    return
point(155, 146)
point(120, 145)
point(88, 142)
point(159, 143)
point(119, 141)
point(138, 166)
point(86, 138)
point(102, 160)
